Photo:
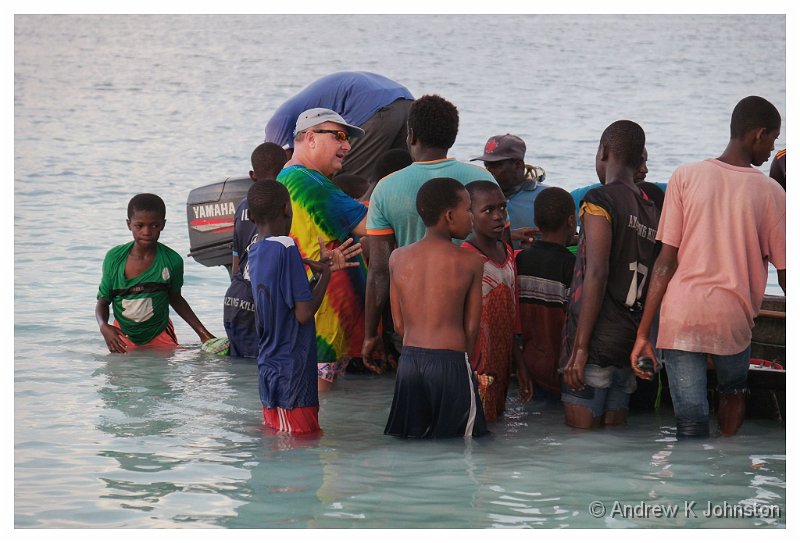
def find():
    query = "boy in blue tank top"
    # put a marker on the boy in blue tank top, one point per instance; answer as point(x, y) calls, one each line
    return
point(285, 308)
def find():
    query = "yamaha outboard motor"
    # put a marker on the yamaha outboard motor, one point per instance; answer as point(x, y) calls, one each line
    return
point(209, 212)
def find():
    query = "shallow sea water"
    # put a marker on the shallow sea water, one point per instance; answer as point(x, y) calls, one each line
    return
point(108, 106)
point(167, 441)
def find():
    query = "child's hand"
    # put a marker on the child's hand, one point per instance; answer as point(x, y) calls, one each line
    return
point(338, 258)
point(317, 266)
point(113, 337)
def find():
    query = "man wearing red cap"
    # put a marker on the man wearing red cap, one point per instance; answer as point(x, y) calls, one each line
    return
point(504, 157)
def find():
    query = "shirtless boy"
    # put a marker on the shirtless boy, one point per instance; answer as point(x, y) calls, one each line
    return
point(435, 295)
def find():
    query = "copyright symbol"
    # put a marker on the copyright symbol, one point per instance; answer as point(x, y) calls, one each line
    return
point(597, 509)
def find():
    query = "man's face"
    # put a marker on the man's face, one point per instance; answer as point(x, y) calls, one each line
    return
point(764, 147)
point(329, 148)
point(507, 173)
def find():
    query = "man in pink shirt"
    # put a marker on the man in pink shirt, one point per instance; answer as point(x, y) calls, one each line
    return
point(722, 221)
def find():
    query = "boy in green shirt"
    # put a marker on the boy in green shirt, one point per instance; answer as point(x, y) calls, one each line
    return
point(142, 278)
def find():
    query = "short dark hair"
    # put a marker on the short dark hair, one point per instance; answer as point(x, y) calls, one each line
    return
point(625, 140)
point(392, 161)
point(754, 112)
point(351, 184)
point(437, 196)
point(552, 208)
point(481, 186)
point(267, 160)
point(266, 200)
point(434, 121)
point(147, 202)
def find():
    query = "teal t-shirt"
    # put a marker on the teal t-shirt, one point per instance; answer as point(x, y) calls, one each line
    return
point(393, 204)
point(141, 304)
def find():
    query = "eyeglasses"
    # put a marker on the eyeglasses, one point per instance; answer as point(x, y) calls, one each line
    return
point(340, 135)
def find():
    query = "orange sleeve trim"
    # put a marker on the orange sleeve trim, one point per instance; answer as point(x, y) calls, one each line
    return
point(382, 232)
point(781, 153)
point(594, 209)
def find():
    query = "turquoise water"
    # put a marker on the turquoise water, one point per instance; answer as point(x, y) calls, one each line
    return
point(180, 442)
point(105, 107)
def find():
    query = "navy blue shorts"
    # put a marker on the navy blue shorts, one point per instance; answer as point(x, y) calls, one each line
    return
point(435, 395)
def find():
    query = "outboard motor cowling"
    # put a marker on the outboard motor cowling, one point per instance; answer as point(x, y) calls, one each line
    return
point(209, 212)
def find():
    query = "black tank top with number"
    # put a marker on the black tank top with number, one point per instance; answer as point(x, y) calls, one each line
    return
point(634, 222)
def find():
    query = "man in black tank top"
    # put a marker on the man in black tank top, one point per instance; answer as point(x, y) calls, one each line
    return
point(616, 250)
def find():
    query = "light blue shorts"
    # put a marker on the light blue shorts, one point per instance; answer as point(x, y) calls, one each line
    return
point(607, 389)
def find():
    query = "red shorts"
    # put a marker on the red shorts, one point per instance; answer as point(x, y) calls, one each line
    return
point(166, 338)
point(300, 420)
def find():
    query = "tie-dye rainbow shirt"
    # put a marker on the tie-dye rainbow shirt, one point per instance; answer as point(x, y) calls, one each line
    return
point(320, 208)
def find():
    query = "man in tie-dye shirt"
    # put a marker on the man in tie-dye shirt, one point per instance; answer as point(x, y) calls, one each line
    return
point(322, 211)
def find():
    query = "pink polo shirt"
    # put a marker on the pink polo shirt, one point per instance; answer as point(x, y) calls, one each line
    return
point(727, 223)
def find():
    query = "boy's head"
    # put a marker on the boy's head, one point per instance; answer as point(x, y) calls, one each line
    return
point(445, 199)
point(269, 201)
point(353, 185)
point(554, 210)
point(432, 122)
point(757, 124)
point(488, 206)
point(623, 142)
point(146, 217)
point(391, 161)
point(267, 161)
point(147, 202)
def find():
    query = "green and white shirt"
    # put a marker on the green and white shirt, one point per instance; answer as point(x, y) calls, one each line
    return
point(141, 304)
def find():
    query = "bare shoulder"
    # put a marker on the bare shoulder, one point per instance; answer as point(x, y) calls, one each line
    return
point(474, 261)
point(400, 255)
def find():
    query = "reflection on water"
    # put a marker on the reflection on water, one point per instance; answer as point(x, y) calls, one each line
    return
point(175, 433)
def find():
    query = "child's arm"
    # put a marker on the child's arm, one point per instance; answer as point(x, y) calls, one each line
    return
point(473, 305)
point(304, 311)
point(394, 305)
point(111, 334)
point(182, 308)
point(663, 270)
point(598, 249)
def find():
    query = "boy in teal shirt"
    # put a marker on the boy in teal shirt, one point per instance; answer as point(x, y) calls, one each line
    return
point(141, 279)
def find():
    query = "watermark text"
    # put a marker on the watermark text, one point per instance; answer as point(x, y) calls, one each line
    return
point(686, 510)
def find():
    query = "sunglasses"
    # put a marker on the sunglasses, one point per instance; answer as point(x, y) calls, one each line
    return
point(340, 135)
